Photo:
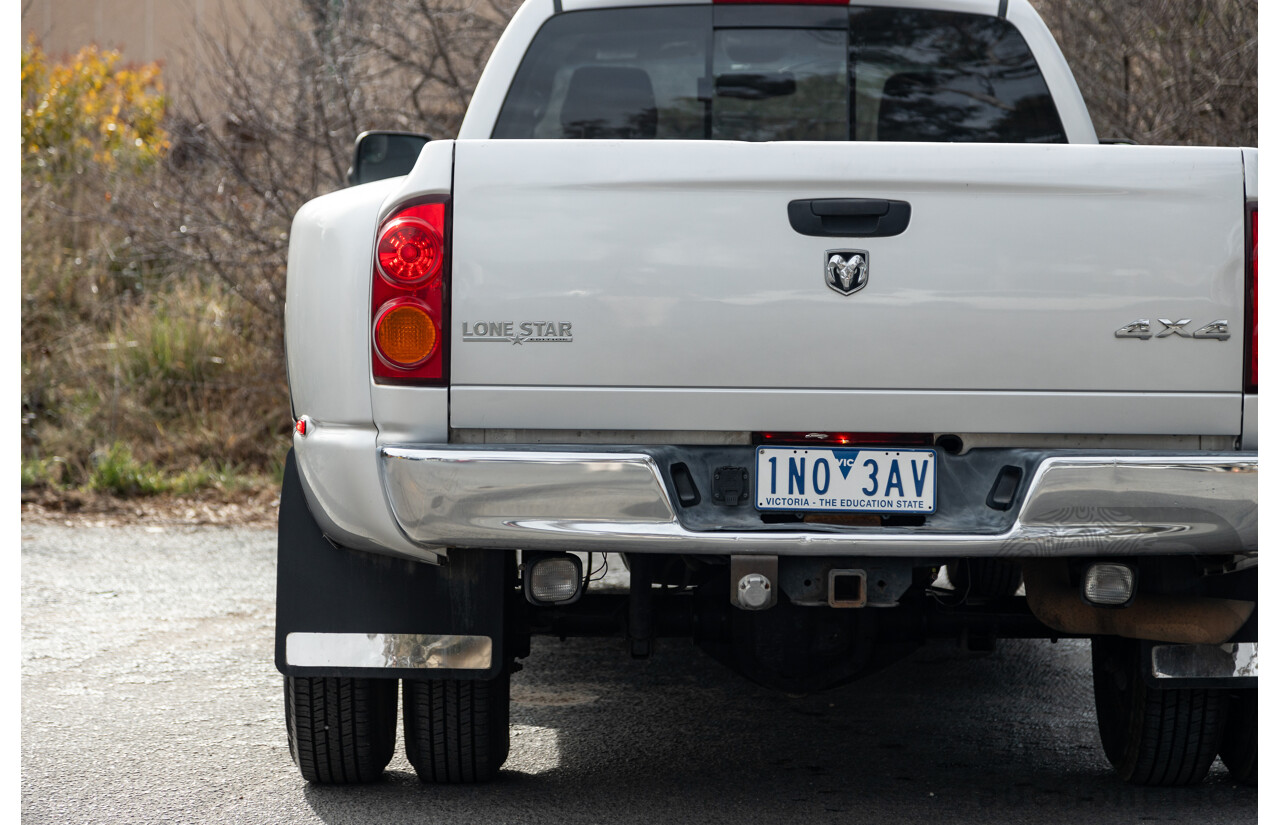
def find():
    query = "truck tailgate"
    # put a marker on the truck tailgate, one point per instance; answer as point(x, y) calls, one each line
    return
point(605, 283)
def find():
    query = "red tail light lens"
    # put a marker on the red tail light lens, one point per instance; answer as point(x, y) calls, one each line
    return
point(1252, 382)
point(408, 316)
point(410, 251)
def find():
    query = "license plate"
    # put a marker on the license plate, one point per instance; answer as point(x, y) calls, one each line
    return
point(846, 480)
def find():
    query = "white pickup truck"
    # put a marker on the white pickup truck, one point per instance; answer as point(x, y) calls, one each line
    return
point(835, 322)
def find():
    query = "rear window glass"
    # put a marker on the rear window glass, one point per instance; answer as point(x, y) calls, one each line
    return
point(780, 84)
point(671, 73)
point(612, 73)
point(935, 76)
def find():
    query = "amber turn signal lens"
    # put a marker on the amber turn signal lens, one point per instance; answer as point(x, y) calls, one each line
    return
point(404, 334)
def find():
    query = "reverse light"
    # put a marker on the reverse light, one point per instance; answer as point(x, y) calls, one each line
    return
point(552, 578)
point(408, 317)
point(404, 334)
point(1107, 584)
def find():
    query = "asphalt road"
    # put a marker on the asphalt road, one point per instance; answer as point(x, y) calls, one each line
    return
point(148, 695)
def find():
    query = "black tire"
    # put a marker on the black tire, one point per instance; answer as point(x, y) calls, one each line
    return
point(1153, 737)
point(1240, 739)
point(457, 731)
point(341, 731)
point(984, 578)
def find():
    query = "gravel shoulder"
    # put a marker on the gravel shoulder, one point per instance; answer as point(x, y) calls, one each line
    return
point(248, 508)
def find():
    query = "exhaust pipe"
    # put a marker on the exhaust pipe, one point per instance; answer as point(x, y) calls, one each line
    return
point(1199, 620)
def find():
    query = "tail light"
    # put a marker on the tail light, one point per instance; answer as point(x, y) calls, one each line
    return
point(410, 251)
point(408, 318)
point(1251, 374)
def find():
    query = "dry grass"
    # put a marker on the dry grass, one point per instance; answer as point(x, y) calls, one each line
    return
point(140, 375)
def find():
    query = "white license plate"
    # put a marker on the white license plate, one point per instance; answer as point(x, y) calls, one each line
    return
point(846, 480)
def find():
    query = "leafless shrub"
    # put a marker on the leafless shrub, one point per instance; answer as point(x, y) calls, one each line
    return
point(271, 127)
point(285, 117)
point(1164, 71)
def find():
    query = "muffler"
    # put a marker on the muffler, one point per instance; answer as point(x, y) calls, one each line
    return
point(1201, 620)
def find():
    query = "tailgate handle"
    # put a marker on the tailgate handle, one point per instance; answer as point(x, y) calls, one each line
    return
point(849, 217)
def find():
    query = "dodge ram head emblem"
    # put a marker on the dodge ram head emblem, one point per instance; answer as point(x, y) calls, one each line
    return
point(847, 269)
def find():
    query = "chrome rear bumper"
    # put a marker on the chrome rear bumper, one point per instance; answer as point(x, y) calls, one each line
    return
point(617, 501)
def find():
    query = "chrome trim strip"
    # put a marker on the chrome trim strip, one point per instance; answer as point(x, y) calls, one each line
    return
point(388, 650)
point(1229, 661)
point(617, 501)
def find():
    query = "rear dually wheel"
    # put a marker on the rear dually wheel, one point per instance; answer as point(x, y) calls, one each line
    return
point(341, 731)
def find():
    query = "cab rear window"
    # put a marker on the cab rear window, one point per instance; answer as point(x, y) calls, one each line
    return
point(697, 72)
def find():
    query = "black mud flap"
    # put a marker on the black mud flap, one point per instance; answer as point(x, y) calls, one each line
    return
point(382, 603)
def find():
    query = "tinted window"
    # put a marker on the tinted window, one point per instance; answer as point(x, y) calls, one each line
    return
point(612, 73)
point(780, 84)
point(667, 72)
point(935, 76)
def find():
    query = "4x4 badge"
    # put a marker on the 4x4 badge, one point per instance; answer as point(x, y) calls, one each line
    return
point(1141, 328)
point(847, 269)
